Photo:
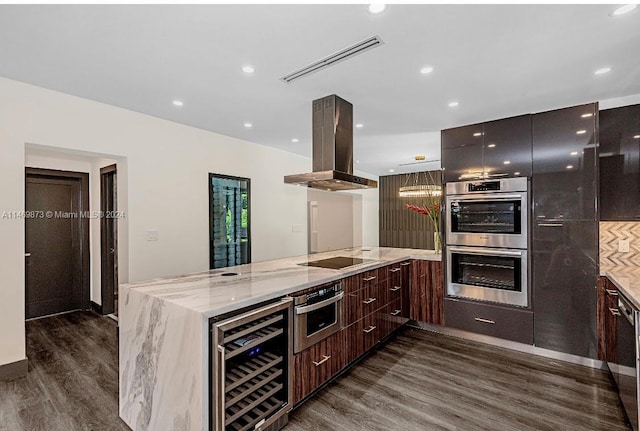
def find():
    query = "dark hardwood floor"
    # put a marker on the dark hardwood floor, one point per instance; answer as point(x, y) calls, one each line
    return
point(72, 382)
point(427, 381)
point(419, 381)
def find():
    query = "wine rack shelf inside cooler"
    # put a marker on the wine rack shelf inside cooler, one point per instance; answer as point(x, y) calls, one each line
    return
point(252, 388)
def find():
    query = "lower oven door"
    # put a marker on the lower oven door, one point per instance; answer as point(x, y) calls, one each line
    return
point(488, 274)
point(317, 321)
point(625, 370)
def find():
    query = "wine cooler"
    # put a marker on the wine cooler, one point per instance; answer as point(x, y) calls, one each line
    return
point(251, 371)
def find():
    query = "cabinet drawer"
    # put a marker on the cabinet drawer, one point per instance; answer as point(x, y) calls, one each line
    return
point(389, 318)
point(317, 364)
point(360, 281)
point(507, 323)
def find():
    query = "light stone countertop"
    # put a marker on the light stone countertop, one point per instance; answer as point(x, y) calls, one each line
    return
point(211, 294)
point(626, 279)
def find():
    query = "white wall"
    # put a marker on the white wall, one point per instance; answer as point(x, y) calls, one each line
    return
point(166, 168)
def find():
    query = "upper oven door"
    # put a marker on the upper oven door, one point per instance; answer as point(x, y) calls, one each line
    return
point(488, 220)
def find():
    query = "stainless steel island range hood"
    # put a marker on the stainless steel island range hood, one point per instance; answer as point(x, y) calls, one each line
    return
point(332, 144)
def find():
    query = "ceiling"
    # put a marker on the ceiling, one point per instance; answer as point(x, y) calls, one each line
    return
point(495, 60)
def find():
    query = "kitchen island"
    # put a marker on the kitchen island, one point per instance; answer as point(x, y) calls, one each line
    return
point(164, 325)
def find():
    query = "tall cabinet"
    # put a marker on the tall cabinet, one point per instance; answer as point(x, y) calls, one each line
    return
point(565, 229)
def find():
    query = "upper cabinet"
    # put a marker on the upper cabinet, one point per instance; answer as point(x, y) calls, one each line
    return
point(564, 163)
point(620, 164)
point(462, 153)
point(497, 149)
point(507, 147)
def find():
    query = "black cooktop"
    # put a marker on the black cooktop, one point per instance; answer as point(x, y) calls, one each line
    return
point(336, 262)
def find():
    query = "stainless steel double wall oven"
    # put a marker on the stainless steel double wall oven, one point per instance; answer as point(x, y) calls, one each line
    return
point(487, 239)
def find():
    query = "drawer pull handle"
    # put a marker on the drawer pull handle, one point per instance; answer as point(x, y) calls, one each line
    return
point(369, 329)
point(405, 263)
point(481, 320)
point(615, 311)
point(395, 288)
point(394, 270)
point(324, 359)
point(612, 292)
point(395, 312)
point(369, 301)
point(373, 277)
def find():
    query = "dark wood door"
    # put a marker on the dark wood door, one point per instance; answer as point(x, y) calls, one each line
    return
point(108, 240)
point(56, 241)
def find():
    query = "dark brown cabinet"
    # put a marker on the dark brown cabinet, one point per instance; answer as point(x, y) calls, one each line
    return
point(565, 230)
point(461, 152)
point(372, 311)
point(317, 364)
point(620, 164)
point(607, 322)
point(481, 318)
point(500, 148)
point(427, 292)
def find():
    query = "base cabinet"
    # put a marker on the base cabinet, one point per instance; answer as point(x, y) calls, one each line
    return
point(317, 364)
point(427, 292)
point(506, 323)
point(607, 322)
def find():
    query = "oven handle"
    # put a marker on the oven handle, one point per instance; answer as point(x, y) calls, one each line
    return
point(486, 252)
point(484, 197)
point(308, 308)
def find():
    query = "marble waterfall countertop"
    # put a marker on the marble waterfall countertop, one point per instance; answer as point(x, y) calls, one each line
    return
point(211, 293)
point(626, 279)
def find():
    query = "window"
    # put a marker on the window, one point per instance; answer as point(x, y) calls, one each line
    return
point(229, 221)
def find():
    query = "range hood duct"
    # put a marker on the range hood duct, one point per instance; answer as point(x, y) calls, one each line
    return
point(332, 145)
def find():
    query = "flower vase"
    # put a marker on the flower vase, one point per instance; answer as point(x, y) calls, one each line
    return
point(437, 244)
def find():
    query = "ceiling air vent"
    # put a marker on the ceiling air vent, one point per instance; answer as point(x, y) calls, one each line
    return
point(343, 54)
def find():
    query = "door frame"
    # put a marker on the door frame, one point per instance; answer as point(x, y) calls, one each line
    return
point(107, 296)
point(83, 220)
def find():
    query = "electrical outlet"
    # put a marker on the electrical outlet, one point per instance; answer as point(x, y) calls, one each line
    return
point(623, 246)
point(296, 228)
point(153, 235)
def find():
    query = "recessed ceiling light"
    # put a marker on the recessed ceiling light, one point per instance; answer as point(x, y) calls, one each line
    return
point(357, 161)
point(507, 162)
point(491, 146)
point(295, 140)
point(477, 134)
point(426, 70)
point(573, 153)
point(377, 7)
point(391, 170)
point(453, 104)
point(248, 125)
point(587, 115)
point(178, 103)
point(623, 10)
point(516, 173)
point(248, 69)
point(602, 71)
point(569, 166)
point(359, 125)
point(636, 137)
point(581, 132)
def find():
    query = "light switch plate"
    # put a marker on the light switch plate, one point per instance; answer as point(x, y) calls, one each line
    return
point(153, 235)
point(296, 228)
point(623, 246)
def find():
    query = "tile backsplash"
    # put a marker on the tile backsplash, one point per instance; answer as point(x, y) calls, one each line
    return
point(611, 232)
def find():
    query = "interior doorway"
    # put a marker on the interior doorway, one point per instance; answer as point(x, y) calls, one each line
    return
point(56, 242)
point(229, 221)
point(109, 240)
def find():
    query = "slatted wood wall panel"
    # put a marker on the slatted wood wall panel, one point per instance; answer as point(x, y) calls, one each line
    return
point(400, 227)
